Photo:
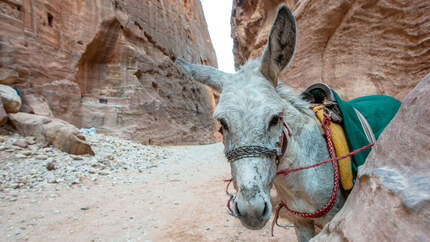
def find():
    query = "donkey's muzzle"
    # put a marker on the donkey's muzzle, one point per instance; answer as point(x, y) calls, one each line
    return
point(254, 213)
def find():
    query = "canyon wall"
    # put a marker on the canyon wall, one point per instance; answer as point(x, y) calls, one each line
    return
point(357, 47)
point(110, 65)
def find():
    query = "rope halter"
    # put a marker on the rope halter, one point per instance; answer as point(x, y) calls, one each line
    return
point(259, 151)
point(250, 151)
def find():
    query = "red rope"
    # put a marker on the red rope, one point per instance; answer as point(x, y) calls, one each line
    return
point(229, 194)
point(324, 210)
point(288, 171)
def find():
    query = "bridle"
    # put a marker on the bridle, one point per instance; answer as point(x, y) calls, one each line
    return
point(257, 151)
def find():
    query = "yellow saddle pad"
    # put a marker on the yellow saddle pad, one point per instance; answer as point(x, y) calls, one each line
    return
point(341, 148)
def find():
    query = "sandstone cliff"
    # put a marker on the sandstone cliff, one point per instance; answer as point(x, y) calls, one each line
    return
point(108, 64)
point(357, 47)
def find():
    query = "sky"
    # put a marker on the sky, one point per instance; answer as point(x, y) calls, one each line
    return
point(217, 14)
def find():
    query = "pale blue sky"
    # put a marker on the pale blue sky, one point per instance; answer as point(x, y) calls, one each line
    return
point(217, 14)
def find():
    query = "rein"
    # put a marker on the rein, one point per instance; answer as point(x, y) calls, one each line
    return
point(284, 172)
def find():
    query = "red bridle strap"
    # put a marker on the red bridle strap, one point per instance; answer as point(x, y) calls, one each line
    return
point(326, 208)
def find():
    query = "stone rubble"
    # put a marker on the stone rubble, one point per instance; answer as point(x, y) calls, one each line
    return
point(35, 167)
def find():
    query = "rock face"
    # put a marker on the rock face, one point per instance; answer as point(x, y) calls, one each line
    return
point(52, 131)
point(109, 64)
point(391, 199)
point(357, 47)
point(8, 76)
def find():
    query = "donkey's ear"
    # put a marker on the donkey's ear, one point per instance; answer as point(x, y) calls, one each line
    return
point(204, 74)
point(280, 45)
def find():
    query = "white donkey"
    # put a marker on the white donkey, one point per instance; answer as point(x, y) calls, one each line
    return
point(251, 110)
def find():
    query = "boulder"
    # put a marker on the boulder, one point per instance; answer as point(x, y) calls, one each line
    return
point(11, 100)
point(51, 131)
point(8, 76)
point(3, 114)
point(391, 198)
point(357, 47)
point(35, 104)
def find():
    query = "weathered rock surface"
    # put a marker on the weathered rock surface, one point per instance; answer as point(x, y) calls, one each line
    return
point(8, 76)
point(3, 114)
point(108, 64)
point(357, 47)
point(11, 100)
point(37, 105)
point(52, 131)
point(391, 199)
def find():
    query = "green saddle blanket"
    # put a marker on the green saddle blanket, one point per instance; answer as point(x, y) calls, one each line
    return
point(363, 118)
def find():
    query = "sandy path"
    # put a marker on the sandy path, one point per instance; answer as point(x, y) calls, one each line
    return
point(181, 199)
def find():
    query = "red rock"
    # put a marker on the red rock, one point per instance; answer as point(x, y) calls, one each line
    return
point(108, 64)
point(391, 199)
point(357, 47)
point(56, 132)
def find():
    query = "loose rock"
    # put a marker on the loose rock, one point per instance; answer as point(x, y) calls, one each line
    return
point(50, 166)
point(21, 143)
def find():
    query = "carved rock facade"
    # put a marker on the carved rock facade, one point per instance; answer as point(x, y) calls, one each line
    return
point(109, 64)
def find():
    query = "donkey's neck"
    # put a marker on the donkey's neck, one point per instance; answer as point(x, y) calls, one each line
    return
point(307, 145)
point(305, 190)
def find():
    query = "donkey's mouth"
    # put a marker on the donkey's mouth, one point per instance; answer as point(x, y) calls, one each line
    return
point(252, 220)
point(253, 223)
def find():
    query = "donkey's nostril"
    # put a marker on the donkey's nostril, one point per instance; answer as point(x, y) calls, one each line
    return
point(264, 210)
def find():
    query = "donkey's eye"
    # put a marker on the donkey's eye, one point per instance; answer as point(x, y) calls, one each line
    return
point(223, 125)
point(274, 121)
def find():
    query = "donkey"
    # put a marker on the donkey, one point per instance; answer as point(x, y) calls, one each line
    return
point(251, 110)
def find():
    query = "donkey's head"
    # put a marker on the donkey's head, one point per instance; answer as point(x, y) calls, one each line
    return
point(250, 112)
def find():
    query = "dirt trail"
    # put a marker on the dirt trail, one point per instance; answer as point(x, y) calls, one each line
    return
point(180, 199)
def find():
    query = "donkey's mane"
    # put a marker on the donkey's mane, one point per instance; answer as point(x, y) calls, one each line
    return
point(253, 64)
point(288, 95)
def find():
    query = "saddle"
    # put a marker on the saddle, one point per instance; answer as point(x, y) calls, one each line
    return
point(323, 101)
point(321, 94)
point(361, 120)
